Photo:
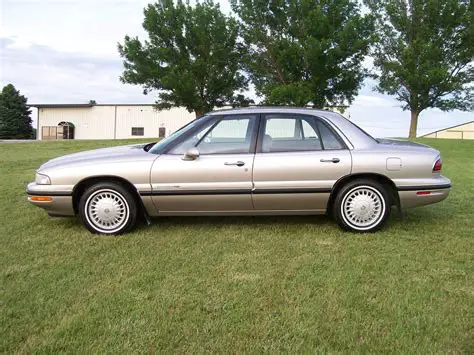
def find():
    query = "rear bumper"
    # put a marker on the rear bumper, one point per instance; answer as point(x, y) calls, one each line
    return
point(56, 202)
point(421, 195)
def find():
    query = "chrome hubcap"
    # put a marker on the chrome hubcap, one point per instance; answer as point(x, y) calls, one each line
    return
point(363, 207)
point(107, 210)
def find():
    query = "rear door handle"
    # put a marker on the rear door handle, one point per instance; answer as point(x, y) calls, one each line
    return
point(237, 163)
point(333, 160)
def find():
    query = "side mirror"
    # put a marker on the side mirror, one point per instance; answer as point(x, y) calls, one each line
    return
point(191, 154)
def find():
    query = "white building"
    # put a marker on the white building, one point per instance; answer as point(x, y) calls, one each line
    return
point(462, 131)
point(110, 121)
point(107, 121)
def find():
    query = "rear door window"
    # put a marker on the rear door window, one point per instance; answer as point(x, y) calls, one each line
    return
point(287, 133)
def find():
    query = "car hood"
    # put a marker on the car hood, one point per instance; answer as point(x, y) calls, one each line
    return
point(123, 153)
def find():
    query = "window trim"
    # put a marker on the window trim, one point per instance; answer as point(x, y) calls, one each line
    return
point(317, 119)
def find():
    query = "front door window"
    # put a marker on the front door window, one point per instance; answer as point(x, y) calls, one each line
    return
point(228, 135)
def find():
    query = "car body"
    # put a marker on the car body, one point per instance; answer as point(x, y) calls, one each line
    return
point(247, 161)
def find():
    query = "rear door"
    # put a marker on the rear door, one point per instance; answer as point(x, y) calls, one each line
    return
point(299, 159)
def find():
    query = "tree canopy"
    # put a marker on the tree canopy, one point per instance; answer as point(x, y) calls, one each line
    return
point(304, 52)
point(425, 53)
point(192, 57)
point(15, 120)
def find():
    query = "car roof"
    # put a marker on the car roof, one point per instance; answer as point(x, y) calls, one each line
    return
point(351, 133)
point(269, 109)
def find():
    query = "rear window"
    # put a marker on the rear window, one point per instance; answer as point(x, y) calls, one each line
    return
point(361, 130)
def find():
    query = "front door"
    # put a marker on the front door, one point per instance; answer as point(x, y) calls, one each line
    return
point(218, 180)
point(298, 161)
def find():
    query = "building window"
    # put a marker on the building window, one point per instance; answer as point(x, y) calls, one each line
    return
point(138, 131)
point(162, 132)
point(48, 133)
point(64, 130)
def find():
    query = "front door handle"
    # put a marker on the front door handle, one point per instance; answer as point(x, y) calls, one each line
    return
point(333, 160)
point(237, 163)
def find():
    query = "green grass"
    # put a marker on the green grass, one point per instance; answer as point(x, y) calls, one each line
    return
point(236, 284)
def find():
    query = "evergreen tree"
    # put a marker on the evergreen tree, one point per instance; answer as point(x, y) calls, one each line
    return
point(15, 120)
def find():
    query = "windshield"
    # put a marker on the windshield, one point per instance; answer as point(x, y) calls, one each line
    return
point(158, 147)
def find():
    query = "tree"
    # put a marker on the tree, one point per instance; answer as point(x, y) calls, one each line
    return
point(192, 58)
point(424, 53)
point(15, 120)
point(305, 51)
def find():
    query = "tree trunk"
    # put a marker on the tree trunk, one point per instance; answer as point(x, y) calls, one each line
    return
point(199, 113)
point(413, 123)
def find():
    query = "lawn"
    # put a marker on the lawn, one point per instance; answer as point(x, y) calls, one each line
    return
point(267, 284)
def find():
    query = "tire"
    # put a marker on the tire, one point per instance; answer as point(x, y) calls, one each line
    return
point(362, 206)
point(108, 208)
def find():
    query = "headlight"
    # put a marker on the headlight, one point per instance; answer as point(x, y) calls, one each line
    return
point(41, 179)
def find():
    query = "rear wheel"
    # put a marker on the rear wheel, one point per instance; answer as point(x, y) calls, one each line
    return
point(362, 206)
point(108, 208)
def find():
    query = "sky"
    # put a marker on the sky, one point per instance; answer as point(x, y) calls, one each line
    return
point(65, 51)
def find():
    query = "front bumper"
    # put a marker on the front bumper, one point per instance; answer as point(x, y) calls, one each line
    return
point(55, 200)
point(421, 195)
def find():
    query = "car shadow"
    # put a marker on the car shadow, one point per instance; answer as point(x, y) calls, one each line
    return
point(241, 220)
point(280, 220)
point(322, 221)
point(211, 221)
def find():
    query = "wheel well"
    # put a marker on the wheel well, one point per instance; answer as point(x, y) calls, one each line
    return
point(82, 186)
point(385, 181)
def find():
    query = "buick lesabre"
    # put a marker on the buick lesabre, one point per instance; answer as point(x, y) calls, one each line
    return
point(250, 161)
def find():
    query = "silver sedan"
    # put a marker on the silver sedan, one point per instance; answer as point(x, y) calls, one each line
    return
point(251, 161)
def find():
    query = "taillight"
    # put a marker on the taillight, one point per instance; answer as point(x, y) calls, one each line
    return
point(437, 166)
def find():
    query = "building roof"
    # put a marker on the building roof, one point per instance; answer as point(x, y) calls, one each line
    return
point(445, 129)
point(83, 105)
point(135, 104)
point(59, 105)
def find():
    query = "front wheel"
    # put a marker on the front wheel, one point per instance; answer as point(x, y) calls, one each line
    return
point(362, 206)
point(108, 208)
